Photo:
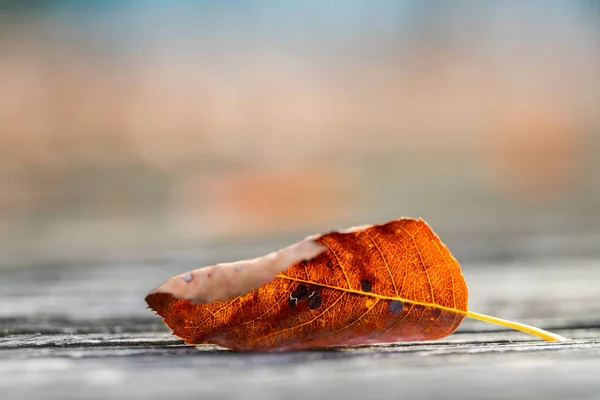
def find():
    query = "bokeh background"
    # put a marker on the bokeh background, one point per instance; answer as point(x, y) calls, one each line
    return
point(141, 128)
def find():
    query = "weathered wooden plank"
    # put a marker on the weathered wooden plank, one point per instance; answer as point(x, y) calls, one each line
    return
point(149, 366)
point(72, 332)
point(553, 293)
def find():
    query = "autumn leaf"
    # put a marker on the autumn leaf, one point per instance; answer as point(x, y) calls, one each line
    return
point(371, 284)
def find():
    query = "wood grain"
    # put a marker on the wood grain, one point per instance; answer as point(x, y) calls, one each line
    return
point(68, 330)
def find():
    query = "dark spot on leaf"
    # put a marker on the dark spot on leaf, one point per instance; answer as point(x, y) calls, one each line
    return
point(396, 307)
point(297, 295)
point(329, 264)
point(365, 285)
point(314, 300)
point(292, 303)
point(300, 293)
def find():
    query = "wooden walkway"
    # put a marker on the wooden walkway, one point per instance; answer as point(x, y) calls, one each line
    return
point(83, 332)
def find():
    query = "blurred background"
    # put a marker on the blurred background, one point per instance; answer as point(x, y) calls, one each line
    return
point(138, 128)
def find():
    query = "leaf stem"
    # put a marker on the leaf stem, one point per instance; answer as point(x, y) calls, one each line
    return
point(549, 336)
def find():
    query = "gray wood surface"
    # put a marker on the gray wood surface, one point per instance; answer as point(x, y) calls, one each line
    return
point(83, 332)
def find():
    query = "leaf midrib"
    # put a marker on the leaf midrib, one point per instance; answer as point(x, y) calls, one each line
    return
point(375, 295)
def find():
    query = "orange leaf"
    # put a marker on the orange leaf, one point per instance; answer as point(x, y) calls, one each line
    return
point(380, 283)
